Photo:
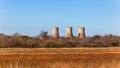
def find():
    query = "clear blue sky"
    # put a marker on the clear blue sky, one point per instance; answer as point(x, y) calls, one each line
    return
point(29, 17)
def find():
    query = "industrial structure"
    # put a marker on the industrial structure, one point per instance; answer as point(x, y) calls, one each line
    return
point(55, 32)
point(81, 32)
point(69, 33)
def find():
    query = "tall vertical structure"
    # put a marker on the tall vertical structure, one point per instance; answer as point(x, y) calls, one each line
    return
point(81, 32)
point(69, 33)
point(55, 32)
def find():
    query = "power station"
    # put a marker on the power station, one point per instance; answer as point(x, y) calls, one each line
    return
point(69, 33)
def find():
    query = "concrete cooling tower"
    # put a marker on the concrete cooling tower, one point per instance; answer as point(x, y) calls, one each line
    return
point(69, 33)
point(55, 32)
point(82, 32)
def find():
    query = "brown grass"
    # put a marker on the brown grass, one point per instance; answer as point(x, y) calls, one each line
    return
point(60, 57)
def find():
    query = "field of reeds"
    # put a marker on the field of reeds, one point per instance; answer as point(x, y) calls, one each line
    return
point(60, 57)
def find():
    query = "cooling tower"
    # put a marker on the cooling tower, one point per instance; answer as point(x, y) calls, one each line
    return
point(69, 33)
point(55, 32)
point(81, 32)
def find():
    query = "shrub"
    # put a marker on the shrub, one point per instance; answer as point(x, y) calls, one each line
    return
point(48, 42)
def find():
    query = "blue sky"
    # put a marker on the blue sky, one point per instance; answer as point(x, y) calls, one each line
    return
point(29, 17)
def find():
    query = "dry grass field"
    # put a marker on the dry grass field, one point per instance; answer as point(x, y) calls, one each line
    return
point(60, 57)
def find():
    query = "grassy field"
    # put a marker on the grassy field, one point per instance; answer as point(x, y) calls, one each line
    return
point(60, 57)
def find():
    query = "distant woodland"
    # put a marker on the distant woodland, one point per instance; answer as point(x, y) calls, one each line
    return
point(43, 40)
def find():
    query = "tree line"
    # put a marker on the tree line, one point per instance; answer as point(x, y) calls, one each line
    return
point(43, 40)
